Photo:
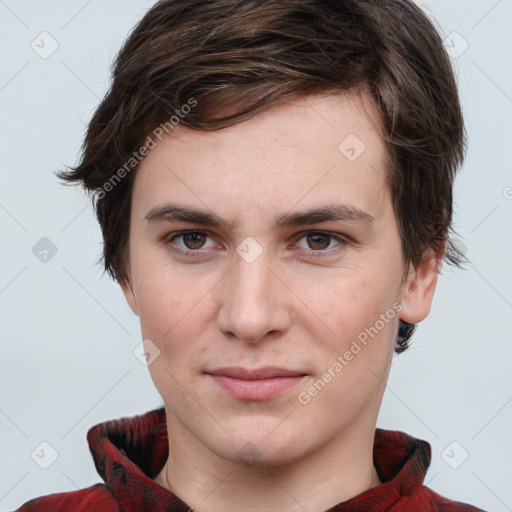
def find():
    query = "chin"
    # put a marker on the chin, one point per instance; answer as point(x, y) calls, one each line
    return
point(262, 446)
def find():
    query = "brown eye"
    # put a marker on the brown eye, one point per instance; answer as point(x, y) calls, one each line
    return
point(318, 241)
point(193, 240)
point(318, 244)
point(190, 244)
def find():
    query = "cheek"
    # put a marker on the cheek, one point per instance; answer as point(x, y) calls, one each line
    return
point(162, 292)
point(173, 309)
point(353, 356)
point(169, 319)
point(159, 308)
point(354, 340)
point(340, 307)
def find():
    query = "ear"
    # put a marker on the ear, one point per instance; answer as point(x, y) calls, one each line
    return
point(127, 287)
point(419, 286)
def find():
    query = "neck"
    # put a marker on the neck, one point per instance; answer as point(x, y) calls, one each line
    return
point(337, 472)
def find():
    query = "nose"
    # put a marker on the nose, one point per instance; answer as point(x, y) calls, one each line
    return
point(255, 301)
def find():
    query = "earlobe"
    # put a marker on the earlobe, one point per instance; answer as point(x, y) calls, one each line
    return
point(419, 287)
point(127, 287)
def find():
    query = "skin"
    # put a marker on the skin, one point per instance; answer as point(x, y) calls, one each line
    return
point(286, 308)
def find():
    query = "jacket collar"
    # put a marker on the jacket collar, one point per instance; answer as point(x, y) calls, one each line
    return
point(129, 452)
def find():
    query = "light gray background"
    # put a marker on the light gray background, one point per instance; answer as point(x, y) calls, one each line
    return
point(67, 334)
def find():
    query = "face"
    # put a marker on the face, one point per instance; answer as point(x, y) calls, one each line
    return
point(293, 269)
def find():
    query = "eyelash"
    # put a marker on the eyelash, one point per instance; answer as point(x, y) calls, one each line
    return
point(168, 242)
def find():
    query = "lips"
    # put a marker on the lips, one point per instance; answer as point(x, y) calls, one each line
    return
point(256, 384)
point(268, 372)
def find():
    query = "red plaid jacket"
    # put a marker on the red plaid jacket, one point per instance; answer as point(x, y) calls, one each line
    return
point(129, 452)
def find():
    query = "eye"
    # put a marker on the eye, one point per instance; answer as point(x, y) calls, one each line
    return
point(320, 242)
point(193, 241)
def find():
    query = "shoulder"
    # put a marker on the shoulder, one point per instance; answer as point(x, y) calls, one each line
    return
point(426, 500)
point(97, 498)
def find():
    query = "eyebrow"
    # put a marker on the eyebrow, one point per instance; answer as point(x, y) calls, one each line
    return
point(170, 212)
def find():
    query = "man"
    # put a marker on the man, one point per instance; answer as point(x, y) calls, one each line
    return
point(273, 181)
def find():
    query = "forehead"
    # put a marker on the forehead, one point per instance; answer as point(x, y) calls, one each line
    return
point(313, 148)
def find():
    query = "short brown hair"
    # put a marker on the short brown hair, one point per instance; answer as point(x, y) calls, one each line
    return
point(236, 58)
